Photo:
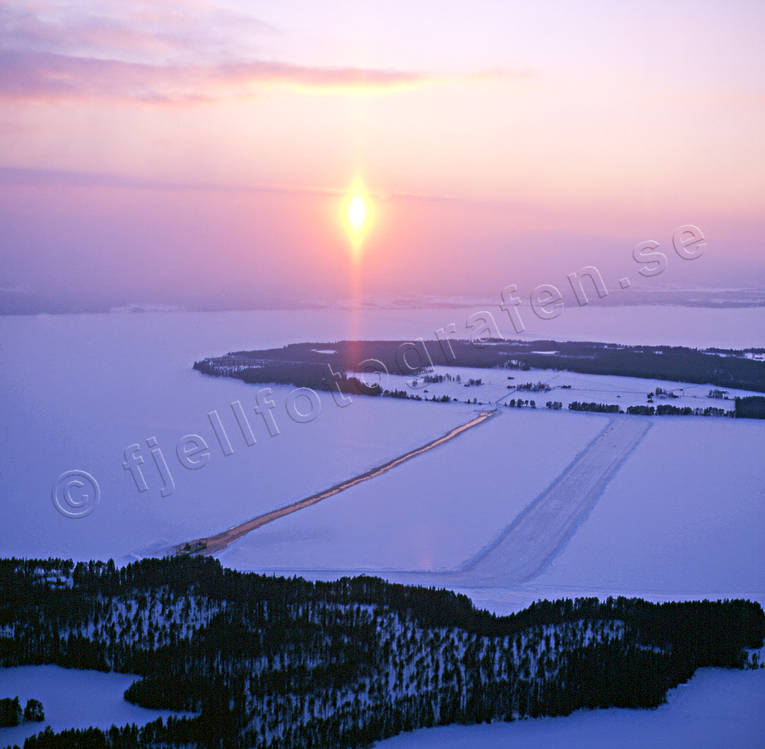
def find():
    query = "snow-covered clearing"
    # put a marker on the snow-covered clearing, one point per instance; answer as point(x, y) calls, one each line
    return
point(543, 385)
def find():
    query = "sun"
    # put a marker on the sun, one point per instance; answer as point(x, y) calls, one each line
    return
point(357, 210)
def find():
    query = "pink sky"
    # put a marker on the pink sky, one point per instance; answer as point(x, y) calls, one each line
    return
point(188, 152)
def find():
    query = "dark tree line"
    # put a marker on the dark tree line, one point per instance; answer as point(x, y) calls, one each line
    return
point(605, 408)
point(663, 409)
point(300, 374)
point(750, 408)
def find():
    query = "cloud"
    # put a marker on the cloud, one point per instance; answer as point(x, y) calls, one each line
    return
point(153, 53)
point(133, 31)
point(51, 76)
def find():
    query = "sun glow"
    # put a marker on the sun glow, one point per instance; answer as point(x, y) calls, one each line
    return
point(356, 215)
point(357, 212)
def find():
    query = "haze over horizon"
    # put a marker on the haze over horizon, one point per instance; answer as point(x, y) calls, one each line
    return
point(200, 155)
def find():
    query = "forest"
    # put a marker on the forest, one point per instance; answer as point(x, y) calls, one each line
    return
point(277, 663)
point(324, 366)
point(750, 408)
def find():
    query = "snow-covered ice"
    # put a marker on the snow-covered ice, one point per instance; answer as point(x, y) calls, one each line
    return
point(716, 708)
point(72, 698)
point(684, 515)
point(433, 512)
point(79, 390)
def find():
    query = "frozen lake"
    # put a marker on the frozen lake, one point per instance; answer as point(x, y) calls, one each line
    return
point(433, 512)
point(71, 699)
point(716, 708)
point(80, 389)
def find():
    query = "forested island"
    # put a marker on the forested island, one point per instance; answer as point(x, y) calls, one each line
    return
point(329, 366)
point(282, 663)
